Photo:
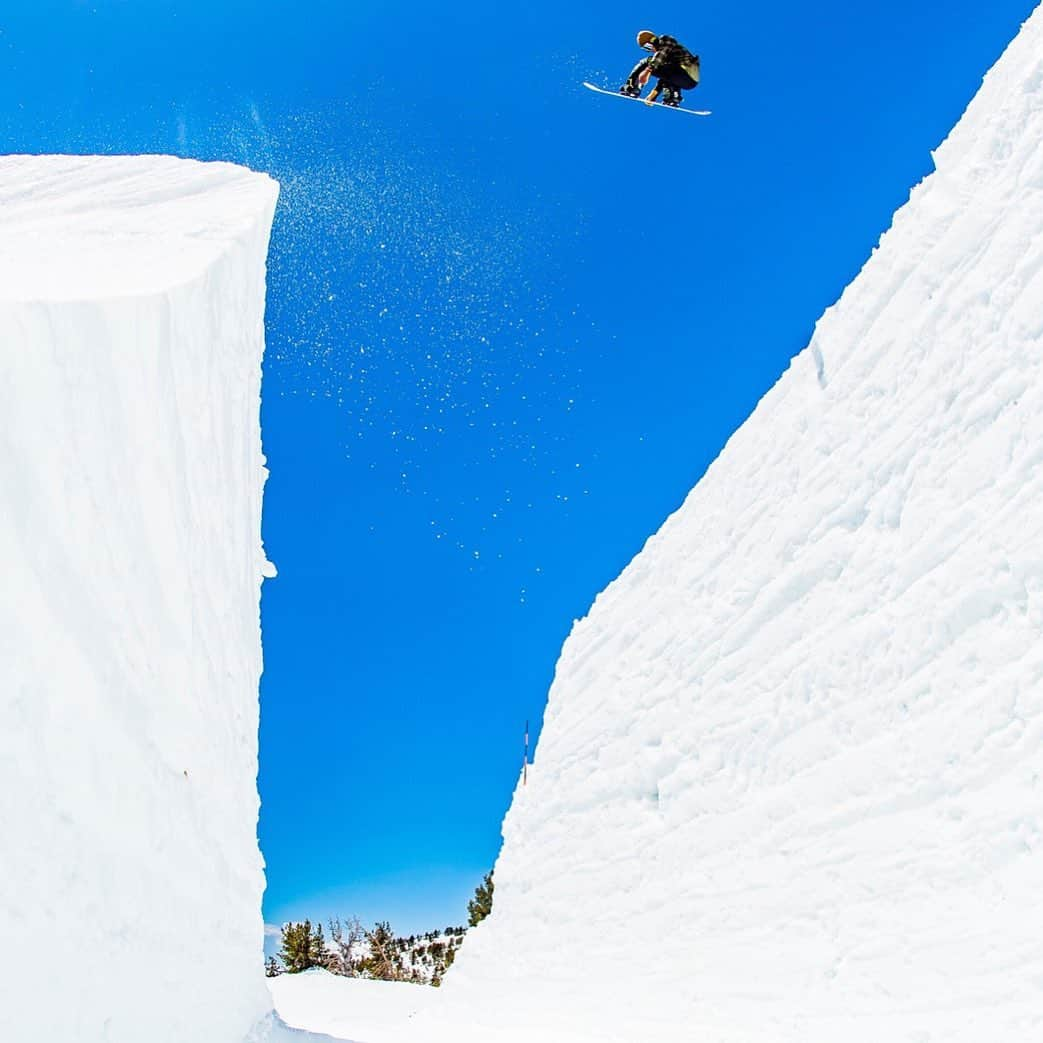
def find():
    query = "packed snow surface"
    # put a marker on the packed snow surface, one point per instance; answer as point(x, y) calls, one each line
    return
point(87, 228)
point(355, 1008)
point(131, 334)
point(790, 785)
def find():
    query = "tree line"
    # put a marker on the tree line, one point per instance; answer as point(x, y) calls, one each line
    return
point(354, 951)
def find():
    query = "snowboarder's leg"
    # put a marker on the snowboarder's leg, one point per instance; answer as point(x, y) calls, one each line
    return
point(637, 79)
point(671, 96)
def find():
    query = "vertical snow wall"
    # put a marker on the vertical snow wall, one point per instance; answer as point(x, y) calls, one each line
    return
point(131, 335)
point(789, 785)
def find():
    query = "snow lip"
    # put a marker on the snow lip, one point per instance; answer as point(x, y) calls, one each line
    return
point(90, 228)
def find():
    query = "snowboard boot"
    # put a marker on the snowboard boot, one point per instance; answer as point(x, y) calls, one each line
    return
point(671, 97)
point(631, 90)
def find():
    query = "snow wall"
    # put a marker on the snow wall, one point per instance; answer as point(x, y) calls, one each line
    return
point(131, 335)
point(790, 785)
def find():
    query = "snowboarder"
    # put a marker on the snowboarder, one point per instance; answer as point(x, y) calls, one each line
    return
point(673, 65)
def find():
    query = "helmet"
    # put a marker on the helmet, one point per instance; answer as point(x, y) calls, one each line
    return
point(646, 38)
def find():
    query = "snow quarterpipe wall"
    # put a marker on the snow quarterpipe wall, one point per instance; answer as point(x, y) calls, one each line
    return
point(131, 474)
point(789, 784)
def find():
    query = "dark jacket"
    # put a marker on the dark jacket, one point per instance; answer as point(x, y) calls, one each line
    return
point(672, 63)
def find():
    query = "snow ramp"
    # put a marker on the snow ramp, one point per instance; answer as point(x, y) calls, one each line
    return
point(789, 787)
point(131, 335)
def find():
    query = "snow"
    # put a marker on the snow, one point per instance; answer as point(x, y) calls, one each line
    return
point(131, 334)
point(84, 228)
point(357, 1008)
point(788, 786)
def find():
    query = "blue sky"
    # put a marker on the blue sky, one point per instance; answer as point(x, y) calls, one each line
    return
point(510, 323)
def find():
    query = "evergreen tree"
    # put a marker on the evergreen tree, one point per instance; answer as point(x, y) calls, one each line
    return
point(272, 968)
point(303, 946)
point(384, 961)
point(479, 907)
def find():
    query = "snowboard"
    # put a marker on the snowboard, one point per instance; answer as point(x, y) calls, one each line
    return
point(657, 105)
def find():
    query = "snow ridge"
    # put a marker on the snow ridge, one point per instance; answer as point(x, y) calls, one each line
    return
point(788, 786)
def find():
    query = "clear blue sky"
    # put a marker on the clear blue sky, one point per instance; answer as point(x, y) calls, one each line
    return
point(510, 323)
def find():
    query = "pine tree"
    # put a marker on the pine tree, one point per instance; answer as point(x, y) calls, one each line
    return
point(384, 961)
point(479, 907)
point(272, 968)
point(302, 947)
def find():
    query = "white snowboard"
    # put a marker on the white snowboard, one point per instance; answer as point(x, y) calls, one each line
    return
point(658, 105)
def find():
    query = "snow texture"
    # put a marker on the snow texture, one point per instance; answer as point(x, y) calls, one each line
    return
point(789, 784)
point(374, 1011)
point(131, 335)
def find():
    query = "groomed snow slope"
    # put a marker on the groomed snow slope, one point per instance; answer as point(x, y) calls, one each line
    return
point(131, 334)
point(790, 784)
point(355, 1008)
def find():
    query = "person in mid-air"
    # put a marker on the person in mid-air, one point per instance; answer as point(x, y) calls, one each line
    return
point(673, 65)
